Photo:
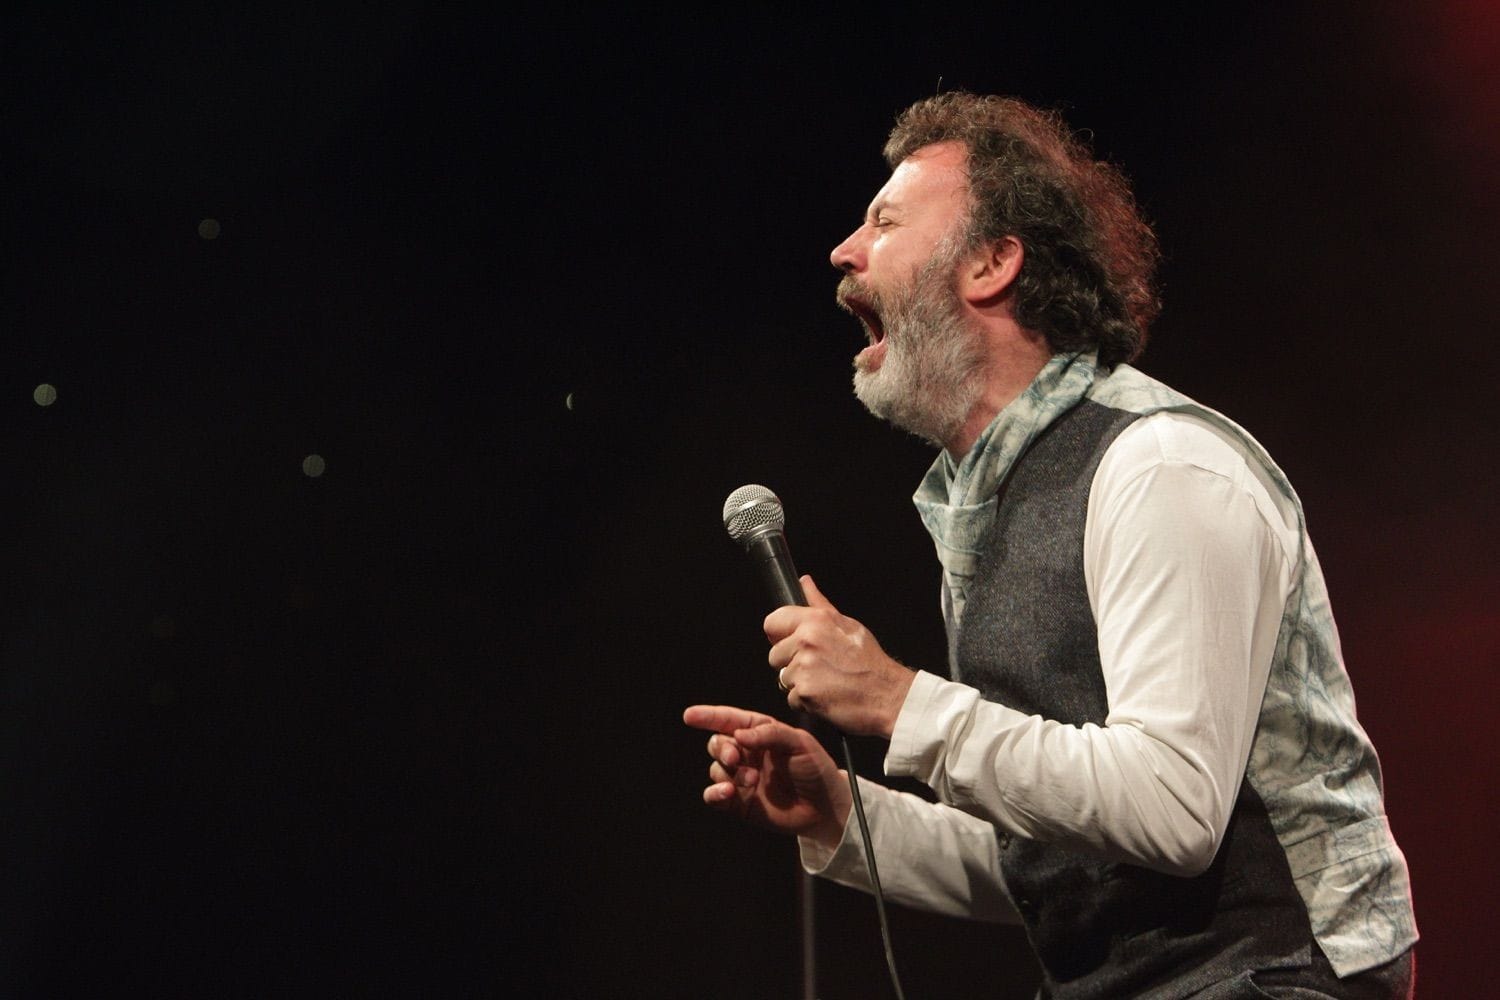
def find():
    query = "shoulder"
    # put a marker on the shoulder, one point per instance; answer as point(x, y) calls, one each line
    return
point(1198, 460)
point(1175, 437)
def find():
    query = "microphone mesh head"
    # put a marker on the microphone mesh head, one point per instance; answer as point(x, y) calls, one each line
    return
point(751, 507)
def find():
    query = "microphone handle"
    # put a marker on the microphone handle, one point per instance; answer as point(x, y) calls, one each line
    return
point(773, 562)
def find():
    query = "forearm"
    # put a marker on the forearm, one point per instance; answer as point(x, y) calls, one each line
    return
point(1111, 790)
point(931, 857)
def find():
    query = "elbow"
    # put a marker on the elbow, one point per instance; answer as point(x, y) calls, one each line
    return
point(1193, 863)
point(1187, 822)
point(1191, 853)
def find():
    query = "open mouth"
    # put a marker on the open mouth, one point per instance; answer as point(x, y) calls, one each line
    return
point(870, 359)
point(869, 319)
point(867, 314)
point(863, 305)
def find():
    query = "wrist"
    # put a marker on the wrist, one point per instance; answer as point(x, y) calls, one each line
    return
point(829, 832)
point(896, 701)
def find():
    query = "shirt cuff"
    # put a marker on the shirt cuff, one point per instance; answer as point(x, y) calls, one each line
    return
point(820, 860)
point(844, 863)
point(912, 745)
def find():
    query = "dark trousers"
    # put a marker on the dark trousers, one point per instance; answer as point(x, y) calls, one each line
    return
point(1395, 980)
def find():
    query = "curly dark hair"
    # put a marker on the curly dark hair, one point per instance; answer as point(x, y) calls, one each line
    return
point(1088, 276)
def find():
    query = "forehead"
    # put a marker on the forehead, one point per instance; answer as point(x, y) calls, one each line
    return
point(932, 177)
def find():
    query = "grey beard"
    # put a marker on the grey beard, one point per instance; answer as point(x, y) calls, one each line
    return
point(933, 371)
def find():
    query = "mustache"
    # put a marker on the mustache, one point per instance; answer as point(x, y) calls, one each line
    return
point(850, 287)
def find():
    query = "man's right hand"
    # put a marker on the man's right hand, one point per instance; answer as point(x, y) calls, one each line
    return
point(772, 774)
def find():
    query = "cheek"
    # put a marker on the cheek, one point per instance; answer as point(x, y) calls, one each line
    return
point(897, 259)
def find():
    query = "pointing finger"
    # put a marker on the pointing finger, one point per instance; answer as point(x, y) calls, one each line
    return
point(722, 718)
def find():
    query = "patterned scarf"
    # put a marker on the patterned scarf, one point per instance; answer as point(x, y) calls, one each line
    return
point(957, 500)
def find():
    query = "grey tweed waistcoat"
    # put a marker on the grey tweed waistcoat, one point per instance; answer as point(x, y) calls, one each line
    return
point(1028, 640)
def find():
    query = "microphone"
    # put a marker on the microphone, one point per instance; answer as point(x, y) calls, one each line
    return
point(754, 518)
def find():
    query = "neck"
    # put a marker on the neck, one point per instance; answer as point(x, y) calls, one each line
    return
point(1015, 358)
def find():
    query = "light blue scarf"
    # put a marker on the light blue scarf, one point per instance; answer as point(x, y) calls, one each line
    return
point(956, 500)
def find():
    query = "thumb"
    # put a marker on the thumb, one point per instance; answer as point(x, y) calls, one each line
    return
point(777, 736)
point(815, 598)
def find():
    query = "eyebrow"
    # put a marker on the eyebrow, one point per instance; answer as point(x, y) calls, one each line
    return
point(880, 205)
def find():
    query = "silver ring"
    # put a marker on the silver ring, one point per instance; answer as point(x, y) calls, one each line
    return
point(779, 682)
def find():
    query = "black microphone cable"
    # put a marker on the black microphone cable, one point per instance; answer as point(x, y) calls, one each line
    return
point(879, 894)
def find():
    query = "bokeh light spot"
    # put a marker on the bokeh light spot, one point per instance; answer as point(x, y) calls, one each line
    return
point(209, 229)
point(313, 466)
point(45, 394)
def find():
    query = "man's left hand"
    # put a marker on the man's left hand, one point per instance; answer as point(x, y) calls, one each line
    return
point(831, 666)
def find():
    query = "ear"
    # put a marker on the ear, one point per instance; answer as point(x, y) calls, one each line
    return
point(989, 274)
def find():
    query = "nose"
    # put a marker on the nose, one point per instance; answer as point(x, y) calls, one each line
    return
point(849, 255)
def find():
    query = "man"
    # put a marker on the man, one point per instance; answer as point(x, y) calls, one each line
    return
point(1148, 752)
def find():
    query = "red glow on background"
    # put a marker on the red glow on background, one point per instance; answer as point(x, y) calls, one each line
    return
point(1426, 667)
point(1451, 52)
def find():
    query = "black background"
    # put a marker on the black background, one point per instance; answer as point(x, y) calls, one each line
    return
point(541, 288)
